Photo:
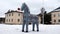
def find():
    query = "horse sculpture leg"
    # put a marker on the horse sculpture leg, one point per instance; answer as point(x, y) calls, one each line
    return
point(27, 18)
point(25, 22)
point(35, 21)
point(33, 27)
point(26, 26)
point(37, 26)
point(23, 25)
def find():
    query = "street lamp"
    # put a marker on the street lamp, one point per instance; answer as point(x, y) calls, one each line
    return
point(42, 12)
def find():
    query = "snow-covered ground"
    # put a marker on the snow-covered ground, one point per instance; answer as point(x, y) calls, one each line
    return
point(16, 29)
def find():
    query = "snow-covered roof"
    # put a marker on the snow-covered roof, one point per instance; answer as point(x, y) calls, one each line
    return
point(57, 9)
point(10, 11)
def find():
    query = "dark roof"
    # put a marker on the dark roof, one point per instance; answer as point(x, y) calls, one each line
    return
point(12, 11)
point(39, 14)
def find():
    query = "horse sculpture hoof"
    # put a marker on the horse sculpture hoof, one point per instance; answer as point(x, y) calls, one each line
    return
point(26, 31)
point(37, 30)
point(33, 30)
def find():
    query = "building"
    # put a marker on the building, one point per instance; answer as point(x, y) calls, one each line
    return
point(44, 17)
point(55, 16)
point(39, 16)
point(14, 17)
point(2, 19)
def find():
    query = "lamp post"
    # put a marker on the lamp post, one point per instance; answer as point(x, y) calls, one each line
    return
point(42, 12)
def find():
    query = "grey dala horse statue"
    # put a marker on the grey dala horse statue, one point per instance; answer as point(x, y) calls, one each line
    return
point(27, 18)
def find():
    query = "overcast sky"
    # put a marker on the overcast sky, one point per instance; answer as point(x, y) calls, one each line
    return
point(34, 5)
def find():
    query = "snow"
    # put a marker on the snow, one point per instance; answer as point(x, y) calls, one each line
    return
point(16, 29)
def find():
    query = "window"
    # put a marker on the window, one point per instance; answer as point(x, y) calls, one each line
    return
point(12, 14)
point(58, 15)
point(59, 20)
point(18, 14)
point(9, 20)
point(9, 14)
point(12, 20)
point(54, 20)
point(18, 20)
point(54, 15)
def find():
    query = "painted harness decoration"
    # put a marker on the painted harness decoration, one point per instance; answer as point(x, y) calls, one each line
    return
point(27, 17)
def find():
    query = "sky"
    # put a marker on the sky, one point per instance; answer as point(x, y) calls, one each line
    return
point(34, 5)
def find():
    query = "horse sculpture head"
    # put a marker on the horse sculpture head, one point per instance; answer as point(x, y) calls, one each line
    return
point(23, 6)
